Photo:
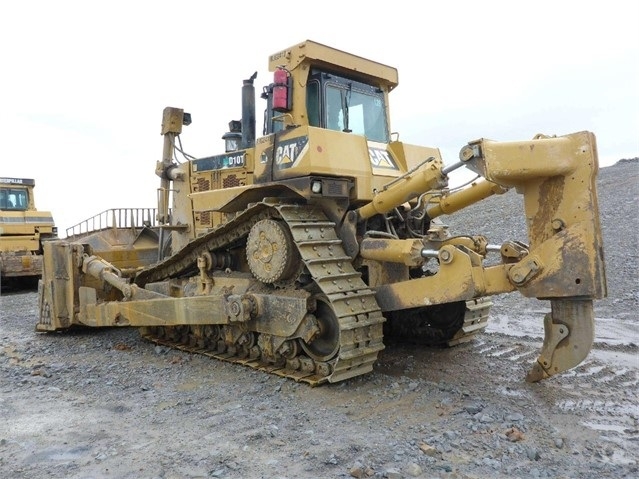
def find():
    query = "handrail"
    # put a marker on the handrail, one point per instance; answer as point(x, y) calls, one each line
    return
point(115, 218)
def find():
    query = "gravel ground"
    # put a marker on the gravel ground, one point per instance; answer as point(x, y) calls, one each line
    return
point(92, 404)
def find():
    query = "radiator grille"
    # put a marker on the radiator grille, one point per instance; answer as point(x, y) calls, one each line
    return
point(230, 181)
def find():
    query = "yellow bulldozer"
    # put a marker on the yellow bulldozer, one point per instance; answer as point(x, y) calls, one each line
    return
point(23, 231)
point(299, 251)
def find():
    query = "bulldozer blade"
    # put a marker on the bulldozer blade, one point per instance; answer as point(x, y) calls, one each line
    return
point(569, 331)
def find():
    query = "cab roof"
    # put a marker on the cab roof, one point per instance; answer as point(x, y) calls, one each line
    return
point(317, 54)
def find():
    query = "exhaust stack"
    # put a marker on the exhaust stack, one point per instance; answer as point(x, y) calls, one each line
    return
point(248, 113)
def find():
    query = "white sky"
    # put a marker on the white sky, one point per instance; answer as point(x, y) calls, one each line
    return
point(84, 83)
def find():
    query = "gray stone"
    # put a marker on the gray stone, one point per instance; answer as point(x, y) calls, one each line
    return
point(413, 469)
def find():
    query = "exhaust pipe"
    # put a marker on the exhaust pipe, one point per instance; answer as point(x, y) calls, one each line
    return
point(248, 113)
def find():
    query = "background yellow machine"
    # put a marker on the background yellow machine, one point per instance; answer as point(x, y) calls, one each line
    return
point(23, 229)
point(297, 252)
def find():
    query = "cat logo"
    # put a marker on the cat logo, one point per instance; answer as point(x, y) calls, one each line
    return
point(380, 158)
point(287, 152)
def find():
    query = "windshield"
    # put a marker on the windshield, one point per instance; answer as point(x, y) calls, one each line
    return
point(342, 104)
point(354, 111)
point(13, 199)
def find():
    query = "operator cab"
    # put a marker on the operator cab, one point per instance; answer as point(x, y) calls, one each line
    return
point(333, 102)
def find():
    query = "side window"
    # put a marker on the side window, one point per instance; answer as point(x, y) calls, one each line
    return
point(278, 124)
point(375, 116)
point(334, 115)
point(313, 103)
point(22, 200)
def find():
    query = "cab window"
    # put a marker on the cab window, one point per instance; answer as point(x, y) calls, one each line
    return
point(13, 199)
point(313, 103)
point(346, 105)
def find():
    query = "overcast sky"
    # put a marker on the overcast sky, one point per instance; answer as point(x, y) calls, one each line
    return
point(84, 83)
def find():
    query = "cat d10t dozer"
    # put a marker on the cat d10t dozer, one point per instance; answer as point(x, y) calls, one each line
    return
point(298, 252)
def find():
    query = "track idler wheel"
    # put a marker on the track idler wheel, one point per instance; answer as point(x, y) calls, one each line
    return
point(325, 344)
